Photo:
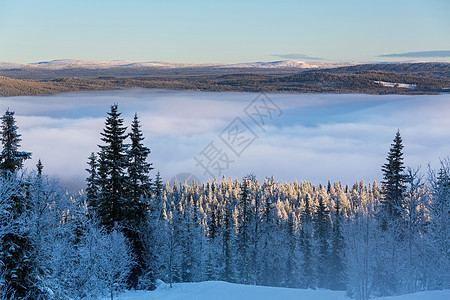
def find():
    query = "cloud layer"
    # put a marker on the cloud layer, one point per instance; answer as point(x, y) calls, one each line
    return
point(419, 54)
point(318, 136)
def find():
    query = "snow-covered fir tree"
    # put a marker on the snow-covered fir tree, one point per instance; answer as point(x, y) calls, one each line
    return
point(18, 262)
point(11, 159)
point(137, 190)
point(337, 276)
point(113, 162)
point(321, 234)
point(307, 269)
point(393, 183)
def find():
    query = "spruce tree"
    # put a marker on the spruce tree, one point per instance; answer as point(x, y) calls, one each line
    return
point(139, 182)
point(189, 258)
point(212, 225)
point(113, 162)
point(158, 185)
point(439, 225)
point(268, 266)
point(156, 204)
point(119, 186)
point(290, 275)
point(18, 263)
point(321, 231)
point(39, 167)
point(307, 276)
point(336, 260)
point(393, 187)
point(243, 238)
point(227, 242)
point(211, 267)
point(92, 188)
point(11, 159)
point(138, 188)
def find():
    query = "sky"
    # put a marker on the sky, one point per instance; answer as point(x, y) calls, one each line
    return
point(229, 31)
point(309, 137)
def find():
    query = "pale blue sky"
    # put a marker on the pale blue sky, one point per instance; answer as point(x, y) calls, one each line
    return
point(224, 32)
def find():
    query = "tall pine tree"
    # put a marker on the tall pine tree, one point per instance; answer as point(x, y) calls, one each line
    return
point(17, 249)
point(307, 277)
point(139, 182)
point(113, 162)
point(243, 235)
point(393, 187)
point(337, 277)
point(321, 231)
point(138, 189)
point(119, 186)
point(92, 182)
point(11, 159)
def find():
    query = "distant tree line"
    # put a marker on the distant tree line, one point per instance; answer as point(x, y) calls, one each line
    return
point(127, 231)
point(360, 80)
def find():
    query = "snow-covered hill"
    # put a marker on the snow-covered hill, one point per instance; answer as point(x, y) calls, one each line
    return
point(105, 64)
point(96, 64)
point(287, 64)
point(219, 290)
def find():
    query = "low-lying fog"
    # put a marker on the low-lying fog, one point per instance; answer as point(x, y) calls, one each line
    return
point(313, 137)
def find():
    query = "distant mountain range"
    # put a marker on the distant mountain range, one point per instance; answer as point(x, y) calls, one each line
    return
point(105, 64)
point(64, 68)
point(95, 64)
point(279, 76)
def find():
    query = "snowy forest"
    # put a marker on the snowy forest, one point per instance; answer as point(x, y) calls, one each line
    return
point(128, 229)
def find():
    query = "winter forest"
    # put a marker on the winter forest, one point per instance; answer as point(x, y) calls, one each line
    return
point(128, 229)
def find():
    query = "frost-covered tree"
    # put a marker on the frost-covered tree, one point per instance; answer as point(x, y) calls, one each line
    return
point(172, 248)
point(11, 159)
point(360, 235)
point(438, 243)
point(307, 277)
point(337, 277)
point(321, 234)
point(18, 262)
point(243, 239)
point(213, 268)
point(415, 217)
point(291, 239)
point(269, 262)
point(158, 186)
point(92, 188)
point(116, 261)
point(228, 235)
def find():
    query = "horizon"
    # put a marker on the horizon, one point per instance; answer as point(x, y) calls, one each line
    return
point(199, 64)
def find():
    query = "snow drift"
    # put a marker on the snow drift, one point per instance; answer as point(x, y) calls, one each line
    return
point(219, 290)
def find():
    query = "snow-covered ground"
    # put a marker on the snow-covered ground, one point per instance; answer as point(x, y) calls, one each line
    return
point(396, 84)
point(219, 290)
point(428, 295)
